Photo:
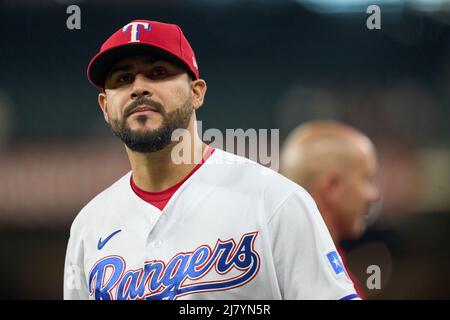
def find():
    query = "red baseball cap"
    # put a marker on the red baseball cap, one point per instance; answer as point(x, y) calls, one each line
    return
point(141, 37)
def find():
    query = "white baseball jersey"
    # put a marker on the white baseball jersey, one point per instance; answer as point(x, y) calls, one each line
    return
point(233, 230)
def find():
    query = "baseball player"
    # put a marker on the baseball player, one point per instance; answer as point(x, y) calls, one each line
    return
point(337, 165)
point(223, 227)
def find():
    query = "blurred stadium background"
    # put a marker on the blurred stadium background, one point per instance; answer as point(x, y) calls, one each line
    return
point(268, 64)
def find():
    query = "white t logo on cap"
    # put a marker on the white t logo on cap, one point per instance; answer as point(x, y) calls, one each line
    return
point(135, 29)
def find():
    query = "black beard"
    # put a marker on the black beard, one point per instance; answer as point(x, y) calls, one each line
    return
point(153, 140)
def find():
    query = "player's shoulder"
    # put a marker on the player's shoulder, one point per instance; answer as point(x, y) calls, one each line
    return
point(253, 173)
point(101, 205)
point(271, 186)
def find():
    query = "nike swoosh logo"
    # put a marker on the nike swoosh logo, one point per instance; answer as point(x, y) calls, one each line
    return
point(101, 243)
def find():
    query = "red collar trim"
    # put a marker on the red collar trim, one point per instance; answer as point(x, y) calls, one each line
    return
point(167, 193)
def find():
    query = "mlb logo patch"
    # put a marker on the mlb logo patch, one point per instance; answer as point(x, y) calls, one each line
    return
point(335, 262)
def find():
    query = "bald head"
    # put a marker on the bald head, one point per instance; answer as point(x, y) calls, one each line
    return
point(336, 164)
point(315, 148)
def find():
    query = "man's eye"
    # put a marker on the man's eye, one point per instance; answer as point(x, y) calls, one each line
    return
point(124, 77)
point(158, 72)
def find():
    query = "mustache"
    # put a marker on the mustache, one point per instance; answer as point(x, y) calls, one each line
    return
point(143, 102)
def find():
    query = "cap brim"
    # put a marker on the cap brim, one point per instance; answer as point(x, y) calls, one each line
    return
point(100, 65)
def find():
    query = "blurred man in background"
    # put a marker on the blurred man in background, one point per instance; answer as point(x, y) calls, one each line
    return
point(337, 165)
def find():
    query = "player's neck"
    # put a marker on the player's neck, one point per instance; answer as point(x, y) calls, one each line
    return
point(157, 171)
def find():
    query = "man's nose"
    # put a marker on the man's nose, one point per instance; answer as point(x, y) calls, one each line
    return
point(141, 87)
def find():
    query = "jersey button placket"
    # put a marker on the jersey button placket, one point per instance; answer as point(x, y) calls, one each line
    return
point(153, 243)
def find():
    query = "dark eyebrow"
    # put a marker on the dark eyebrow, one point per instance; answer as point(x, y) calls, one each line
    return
point(152, 60)
point(115, 69)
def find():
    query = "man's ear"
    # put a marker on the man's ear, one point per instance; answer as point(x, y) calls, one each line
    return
point(103, 105)
point(198, 92)
point(330, 184)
